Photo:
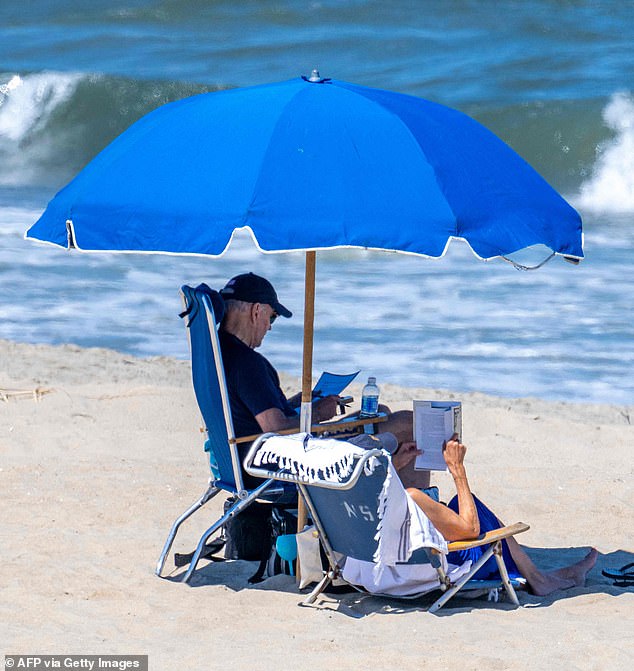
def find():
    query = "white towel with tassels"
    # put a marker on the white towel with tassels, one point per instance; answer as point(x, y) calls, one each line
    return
point(312, 459)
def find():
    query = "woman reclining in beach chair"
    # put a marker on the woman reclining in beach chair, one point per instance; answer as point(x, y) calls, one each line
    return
point(394, 541)
point(466, 517)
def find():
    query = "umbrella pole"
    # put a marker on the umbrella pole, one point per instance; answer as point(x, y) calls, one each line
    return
point(307, 365)
point(307, 370)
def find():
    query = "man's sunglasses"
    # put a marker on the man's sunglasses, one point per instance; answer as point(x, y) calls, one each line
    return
point(273, 317)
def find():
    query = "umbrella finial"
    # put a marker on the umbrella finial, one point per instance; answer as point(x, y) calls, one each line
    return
point(315, 77)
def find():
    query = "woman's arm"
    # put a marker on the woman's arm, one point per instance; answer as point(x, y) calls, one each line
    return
point(453, 526)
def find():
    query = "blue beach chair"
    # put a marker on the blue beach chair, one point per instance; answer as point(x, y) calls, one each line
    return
point(204, 309)
point(345, 515)
point(203, 312)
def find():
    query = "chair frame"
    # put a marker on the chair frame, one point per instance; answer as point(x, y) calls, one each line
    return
point(448, 587)
point(244, 496)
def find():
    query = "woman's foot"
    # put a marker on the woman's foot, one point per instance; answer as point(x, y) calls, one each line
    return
point(563, 578)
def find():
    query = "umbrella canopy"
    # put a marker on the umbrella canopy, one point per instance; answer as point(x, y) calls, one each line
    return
point(309, 164)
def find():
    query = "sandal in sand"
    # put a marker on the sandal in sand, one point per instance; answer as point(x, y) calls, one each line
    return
point(625, 573)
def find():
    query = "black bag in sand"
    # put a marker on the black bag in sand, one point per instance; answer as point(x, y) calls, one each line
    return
point(250, 533)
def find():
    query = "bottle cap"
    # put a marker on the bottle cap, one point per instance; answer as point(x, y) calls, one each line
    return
point(371, 380)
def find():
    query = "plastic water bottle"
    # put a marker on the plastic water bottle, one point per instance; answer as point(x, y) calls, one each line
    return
point(370, 399)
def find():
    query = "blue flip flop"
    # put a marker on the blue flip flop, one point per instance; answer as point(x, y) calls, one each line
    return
point(625, 573)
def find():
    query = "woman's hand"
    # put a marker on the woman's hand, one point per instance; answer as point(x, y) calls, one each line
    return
point(405, 454)
point(454, 452)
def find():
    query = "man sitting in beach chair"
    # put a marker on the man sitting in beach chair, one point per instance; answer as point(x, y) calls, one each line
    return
point(257, 401)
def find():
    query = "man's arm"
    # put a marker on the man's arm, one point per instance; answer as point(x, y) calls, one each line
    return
point(274, 419)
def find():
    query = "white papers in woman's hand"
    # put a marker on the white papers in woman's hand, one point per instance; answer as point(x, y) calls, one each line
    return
point(434, 423)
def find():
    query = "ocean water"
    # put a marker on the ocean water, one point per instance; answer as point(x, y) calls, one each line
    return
point(554, 79)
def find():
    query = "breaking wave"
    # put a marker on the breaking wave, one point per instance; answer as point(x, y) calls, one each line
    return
point(611, 186)
point(52, 123)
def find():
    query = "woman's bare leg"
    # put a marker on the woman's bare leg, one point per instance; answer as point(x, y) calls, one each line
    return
point(545, 582)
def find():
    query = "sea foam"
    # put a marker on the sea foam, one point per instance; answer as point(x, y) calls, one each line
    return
point(53, 123)
point(611, 186)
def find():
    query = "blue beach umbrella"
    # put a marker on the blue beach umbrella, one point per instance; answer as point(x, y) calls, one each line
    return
point(309, 164)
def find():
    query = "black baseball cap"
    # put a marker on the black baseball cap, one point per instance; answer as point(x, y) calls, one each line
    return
point(252, 288)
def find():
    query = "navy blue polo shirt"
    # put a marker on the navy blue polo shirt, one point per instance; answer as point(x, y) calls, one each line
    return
point(253, 385)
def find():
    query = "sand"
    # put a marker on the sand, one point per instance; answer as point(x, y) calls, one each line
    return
point(95, 467)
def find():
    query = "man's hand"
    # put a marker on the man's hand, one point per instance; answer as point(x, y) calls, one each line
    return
point(325, 408)
point(405, 454)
